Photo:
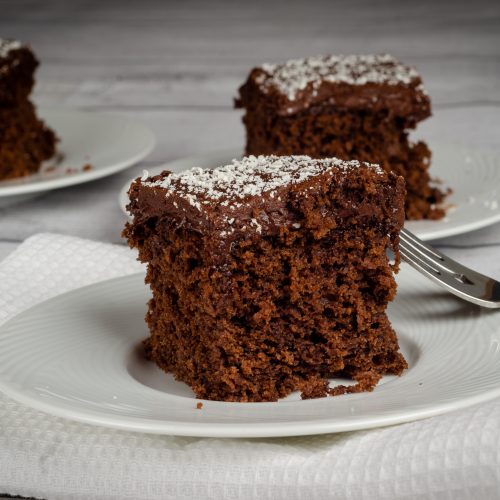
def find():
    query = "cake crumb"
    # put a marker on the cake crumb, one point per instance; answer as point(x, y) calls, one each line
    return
point(87, 167)
point(199, 406)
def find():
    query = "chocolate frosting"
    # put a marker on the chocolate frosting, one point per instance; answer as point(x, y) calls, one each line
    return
point(356, 195)
point(383, 84)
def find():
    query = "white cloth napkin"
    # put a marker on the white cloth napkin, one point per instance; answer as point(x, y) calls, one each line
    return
point(455, 456)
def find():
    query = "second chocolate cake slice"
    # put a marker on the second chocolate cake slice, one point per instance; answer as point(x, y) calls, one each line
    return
point(351, 107)
point(270, 275)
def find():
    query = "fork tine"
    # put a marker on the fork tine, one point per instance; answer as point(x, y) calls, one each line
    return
point(443, 278)
point(413, 257)
point(459, 280)
point(440, 260)
point(404, 233)
point(425, 252)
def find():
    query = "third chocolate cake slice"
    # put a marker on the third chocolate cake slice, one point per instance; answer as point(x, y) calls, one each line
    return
point(25, 140)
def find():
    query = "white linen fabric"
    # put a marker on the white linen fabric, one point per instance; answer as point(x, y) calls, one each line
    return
point(454, 456)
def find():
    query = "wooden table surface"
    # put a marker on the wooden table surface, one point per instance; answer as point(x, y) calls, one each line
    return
point(176, 67)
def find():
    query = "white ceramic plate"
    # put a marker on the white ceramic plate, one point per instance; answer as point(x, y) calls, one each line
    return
point(108, 143)
point(474, 176)
point(78, 356)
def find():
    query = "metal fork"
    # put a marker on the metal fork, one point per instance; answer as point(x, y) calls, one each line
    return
point(457, 279)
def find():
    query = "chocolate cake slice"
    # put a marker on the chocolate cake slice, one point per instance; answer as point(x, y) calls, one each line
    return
point(270, 275)
point(25, 141)
point(352, 107)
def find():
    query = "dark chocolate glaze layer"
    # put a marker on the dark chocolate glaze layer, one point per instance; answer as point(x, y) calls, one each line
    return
point(362, 197)
point(408, 101)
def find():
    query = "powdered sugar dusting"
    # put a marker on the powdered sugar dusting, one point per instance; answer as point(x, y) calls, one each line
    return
point(7, 45)
point(250, 176)
point(296, 74)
